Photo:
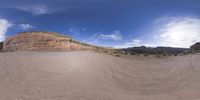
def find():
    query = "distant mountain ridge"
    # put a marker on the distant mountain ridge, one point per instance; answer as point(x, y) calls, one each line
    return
point(154, 50)
point(37, 40)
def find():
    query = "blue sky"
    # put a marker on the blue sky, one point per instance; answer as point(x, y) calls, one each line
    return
point(113, 23)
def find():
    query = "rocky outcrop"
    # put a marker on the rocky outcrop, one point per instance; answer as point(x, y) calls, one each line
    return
point(195, 47)
point(1, 46)
point(43, 41)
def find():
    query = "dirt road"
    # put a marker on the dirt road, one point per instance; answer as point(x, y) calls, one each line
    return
point(94, 76)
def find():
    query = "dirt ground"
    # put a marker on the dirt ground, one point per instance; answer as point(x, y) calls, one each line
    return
point(95, 76)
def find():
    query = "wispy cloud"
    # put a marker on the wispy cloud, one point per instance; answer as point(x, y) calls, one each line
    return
point(135, 43)
point(25, 26)
point(4, 25)
point(99, 38)
point(37, 9)
point(170, 31)
point(77, 31)
point(161, 19)
point(116, 35)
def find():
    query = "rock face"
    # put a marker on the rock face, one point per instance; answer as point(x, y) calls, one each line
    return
point(43, 41)
point(195, 47)
point(1, 46)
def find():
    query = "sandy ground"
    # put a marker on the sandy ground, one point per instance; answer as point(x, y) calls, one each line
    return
point(93, 76)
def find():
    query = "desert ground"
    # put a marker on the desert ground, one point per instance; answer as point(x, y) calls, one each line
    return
point(87, 75)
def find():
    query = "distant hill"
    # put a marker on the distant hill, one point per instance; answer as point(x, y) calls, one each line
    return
point(36, 40)
point(195, 47)
point(156, 50)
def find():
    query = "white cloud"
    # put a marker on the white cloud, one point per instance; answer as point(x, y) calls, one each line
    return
point(172, 32)
point(116, 35)
point(75, 31)
point(4, 25)
point(98, 38)
point(135, 43)
point(37, 9)
point(160, 19)
point(25, 26)
point(179, 32)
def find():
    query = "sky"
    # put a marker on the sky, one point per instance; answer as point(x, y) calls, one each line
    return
point(109, 23)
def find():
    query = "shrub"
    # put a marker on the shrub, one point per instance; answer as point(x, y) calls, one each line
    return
point(169, 54)
point(125, 53)
point(132, 53)
point(146, 54)
point(158, 55)
point(117, 55)
point(175, 54)
point(164, 54)
point(106, 51)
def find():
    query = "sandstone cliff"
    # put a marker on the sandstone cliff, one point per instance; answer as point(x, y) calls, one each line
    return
point(43, 41)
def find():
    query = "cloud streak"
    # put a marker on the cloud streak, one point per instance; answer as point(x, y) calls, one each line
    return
point(37, 9)
point(116, 35)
